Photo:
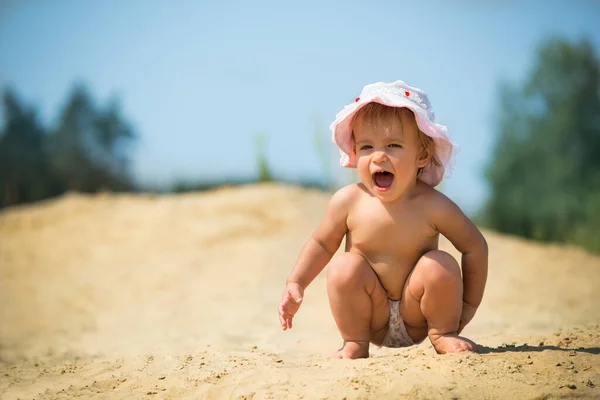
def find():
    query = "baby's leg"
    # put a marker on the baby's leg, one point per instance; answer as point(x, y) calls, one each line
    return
point(432, 303)
point(358, 303)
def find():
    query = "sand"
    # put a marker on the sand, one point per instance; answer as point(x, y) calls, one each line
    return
point(140, 296)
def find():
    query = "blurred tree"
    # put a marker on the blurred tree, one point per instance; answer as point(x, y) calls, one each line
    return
point(115, 137)
point(545, 172)
point(90, 147)
point(23, 173)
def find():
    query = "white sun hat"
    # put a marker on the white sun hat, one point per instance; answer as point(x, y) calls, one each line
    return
point(397, 94)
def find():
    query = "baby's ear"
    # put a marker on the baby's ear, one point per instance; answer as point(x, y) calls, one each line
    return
point(424, 157)
point(353, 144)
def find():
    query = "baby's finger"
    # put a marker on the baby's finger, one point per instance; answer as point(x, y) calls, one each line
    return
point(283, 316)
point(282, 322)
point(285, 305)
point(284, 310)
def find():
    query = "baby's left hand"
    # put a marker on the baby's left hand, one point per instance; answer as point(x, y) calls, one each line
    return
point(468, 312)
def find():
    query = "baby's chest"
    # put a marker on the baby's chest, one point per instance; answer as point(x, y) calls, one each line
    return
point(383, 232)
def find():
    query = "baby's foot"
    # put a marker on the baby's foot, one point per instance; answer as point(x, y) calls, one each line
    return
point(452, 343)
point(353, 349)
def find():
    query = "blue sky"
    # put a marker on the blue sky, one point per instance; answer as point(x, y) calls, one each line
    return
point(199, 80)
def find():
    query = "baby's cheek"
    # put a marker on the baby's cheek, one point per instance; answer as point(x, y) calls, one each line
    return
point(363, 173)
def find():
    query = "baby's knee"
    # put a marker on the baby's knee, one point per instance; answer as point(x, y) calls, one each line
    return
point(439, 267)
point(346, 270)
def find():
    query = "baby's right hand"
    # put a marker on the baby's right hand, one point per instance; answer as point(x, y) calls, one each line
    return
point(290, 303)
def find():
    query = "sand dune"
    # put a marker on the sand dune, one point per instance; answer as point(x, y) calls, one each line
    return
point(122, 296)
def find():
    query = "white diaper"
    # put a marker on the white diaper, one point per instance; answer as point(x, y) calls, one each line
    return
point(396, 335)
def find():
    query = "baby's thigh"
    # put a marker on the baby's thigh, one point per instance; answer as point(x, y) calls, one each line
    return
point(410, 306)
point(381, 311)
point(351, 271)
point(425, 271)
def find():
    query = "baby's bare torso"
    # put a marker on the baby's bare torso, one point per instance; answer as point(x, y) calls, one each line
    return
point(391, 237)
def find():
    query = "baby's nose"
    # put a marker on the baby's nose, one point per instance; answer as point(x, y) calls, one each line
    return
point(379, 157)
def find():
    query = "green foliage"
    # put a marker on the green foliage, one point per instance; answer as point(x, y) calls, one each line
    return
point(87, 151)
point(23, 170)
point(94, 140)
point(545, 171)
point(264, 173)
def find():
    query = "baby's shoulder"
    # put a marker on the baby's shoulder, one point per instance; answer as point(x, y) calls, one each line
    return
point(434, 201)
point(437, 206)
point(348, 195)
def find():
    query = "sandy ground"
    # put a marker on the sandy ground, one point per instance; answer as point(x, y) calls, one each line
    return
point(121, 296)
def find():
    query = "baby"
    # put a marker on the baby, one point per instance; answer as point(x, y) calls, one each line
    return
point(392, 286)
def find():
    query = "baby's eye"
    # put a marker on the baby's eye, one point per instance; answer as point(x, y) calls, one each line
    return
point(394, 145)
point(366, 147)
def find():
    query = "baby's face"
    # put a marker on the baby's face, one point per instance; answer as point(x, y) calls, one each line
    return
point(388, 162)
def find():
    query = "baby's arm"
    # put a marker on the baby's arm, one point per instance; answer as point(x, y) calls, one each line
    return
point(450, 221)
point(316, 253)
point(324, 242)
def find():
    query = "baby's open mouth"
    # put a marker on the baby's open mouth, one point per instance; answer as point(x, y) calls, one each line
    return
point(383, 179)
